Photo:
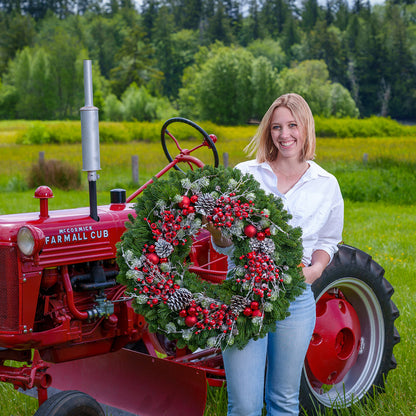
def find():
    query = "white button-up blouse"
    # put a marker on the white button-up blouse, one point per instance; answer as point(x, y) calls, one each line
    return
point(315, 203)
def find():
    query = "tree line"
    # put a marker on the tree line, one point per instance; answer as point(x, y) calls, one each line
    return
point(222, 60)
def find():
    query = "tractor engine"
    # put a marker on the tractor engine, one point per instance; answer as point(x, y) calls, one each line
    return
point(59, 288)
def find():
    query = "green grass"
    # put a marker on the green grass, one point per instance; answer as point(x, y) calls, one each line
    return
point(383, 225)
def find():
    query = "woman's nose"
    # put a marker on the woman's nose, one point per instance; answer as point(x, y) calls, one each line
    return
point(284, 132)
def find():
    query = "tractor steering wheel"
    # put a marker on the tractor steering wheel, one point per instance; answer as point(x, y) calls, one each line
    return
point(209, 140)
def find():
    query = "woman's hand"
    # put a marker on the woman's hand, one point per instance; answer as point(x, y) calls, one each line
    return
point(320, 260)
point(216, 234)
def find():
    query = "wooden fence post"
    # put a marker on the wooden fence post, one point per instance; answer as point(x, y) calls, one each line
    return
point(135, 168)
point(225, 159)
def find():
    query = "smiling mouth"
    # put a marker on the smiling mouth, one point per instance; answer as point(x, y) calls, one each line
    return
point(287, 143)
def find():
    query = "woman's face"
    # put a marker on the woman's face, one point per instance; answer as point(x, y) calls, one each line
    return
point(286, 133)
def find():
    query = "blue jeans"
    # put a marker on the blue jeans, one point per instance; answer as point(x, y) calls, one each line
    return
point(281, 354)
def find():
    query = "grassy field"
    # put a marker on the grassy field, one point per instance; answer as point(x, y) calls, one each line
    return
point(383, 226)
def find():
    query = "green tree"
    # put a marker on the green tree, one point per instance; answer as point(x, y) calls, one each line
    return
point(30, 77)
point(311, 80)
point(273, 16)
point(326, 43)
point(135, 64)
point(310, 14)
point(401, 68)
point(218, 26)
point(227, 85)
point(264, 86)
point(16, 32)
point(137, 104)
point(270, 49)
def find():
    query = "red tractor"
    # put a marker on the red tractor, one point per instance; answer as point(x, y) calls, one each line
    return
point(70, 330)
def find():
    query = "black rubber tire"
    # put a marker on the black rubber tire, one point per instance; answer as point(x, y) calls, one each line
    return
point(70, 403)
point(361, 280)
point(204, 134)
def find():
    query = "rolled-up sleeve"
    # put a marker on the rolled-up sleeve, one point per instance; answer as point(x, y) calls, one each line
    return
point(331, 232)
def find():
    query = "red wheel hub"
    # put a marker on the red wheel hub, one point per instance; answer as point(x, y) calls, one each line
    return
point(335, 343)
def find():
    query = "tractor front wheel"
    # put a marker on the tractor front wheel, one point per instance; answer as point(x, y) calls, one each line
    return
point(70, 403)
point(351, 350)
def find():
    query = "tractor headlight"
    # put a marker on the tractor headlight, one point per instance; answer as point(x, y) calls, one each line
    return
point(30, 240)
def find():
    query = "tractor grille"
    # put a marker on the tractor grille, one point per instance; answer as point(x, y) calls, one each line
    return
point(9, 289)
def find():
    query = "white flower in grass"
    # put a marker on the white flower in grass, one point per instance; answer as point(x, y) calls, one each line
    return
point(268, 307)
point(287, 278)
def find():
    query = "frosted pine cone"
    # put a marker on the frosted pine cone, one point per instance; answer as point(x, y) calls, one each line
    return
point(238, 304)
point(266, 246)
point(163, 248)
point(179, 300)
point(205, 204)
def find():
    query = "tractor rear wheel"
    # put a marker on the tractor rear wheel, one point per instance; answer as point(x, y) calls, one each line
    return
point(70, 403)
point(354, 342)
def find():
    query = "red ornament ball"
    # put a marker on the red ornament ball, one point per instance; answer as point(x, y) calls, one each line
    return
point(185, 202)
point(153, 258)
point(191, 321)
point(250, 231)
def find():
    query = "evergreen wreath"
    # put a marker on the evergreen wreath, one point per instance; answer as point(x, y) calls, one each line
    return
point(154, 250)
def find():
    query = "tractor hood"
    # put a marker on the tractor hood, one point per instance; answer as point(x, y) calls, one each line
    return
point(68, 236)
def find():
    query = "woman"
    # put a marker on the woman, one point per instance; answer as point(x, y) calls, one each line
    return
point(284, 147)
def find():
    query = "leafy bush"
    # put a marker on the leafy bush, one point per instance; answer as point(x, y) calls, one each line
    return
point(54, 173)
point(124, 132)
point(37, 133)
point(16, 184)
point(137, 104)
point(369, 127)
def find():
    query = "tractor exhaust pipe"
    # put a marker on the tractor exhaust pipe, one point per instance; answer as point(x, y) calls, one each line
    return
point(90, 140)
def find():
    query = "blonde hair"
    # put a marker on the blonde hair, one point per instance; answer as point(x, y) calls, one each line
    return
point(262, 144)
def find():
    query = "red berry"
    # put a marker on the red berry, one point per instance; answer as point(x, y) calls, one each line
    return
point(261, 236)
point(192, 311)
point(254, 305)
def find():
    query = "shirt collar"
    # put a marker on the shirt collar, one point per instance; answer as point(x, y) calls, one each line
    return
point(313, 172)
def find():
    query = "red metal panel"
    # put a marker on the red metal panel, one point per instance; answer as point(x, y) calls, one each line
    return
point(9, 289)
point(136, 382)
